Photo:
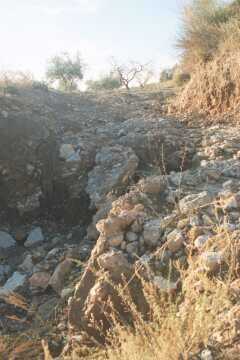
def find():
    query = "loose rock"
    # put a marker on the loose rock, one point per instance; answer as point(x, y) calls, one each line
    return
point(175, 240)
point(15, 283)
point(34, 238)
point(152, 232)
point(6, 241)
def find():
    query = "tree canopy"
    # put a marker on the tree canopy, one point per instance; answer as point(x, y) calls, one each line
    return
point(66, 71)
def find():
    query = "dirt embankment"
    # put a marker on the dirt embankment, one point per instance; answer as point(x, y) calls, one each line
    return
point(213, 91)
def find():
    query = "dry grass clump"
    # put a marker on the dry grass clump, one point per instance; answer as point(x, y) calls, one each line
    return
point(22, 346)
point(209, 40)
point(181, 326)
point(203, 314)
point(214, 88)
point(12, 81)
point(19, 349)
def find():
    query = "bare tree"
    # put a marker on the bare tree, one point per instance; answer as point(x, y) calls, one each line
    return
point(145, 75)
point(127, 72)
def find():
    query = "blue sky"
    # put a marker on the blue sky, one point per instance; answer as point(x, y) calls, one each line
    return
point(31, 31)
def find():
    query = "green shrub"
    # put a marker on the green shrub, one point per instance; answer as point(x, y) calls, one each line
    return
point(40, 85)
point(108, 82)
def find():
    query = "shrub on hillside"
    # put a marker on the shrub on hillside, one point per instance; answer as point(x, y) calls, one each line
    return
point(107, 82)
point(40, 85)
point(213, 88)
point(210, 41)
point(206, 25)
point(12, 81)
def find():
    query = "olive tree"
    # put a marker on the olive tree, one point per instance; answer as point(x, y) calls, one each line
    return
point(65, 70)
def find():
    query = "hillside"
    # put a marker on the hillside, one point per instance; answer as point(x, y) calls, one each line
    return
point(114, 217)
point(209, 41)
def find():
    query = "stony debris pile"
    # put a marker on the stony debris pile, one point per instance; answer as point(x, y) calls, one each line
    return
point(65, 158)
point(139, 236)
point(104, 201)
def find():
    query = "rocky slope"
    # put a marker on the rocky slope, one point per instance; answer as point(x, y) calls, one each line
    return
point(95, 189)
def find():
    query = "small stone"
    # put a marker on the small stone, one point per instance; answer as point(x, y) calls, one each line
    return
point(40, 280)
point(68, 153)
point(201, 241)
point(131, 236)
point(153, 184)
point(115, 262)
point(194, 201)
point(152, 232)
point(34, 238)
point(206, 355)
point(175, 240)
point(27, 265)
point(116, 240)
point(58, 277)
point(132, 248)
point(14, 284)
point(164, 285)
point(123, 245)
point(6, 241)
point(212, 260)
point(137, 226)
point(112, 226)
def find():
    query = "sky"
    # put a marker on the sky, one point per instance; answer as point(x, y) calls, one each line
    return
point(32, 31)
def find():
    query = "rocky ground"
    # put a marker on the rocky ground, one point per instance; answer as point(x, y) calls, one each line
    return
point(96, 188)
